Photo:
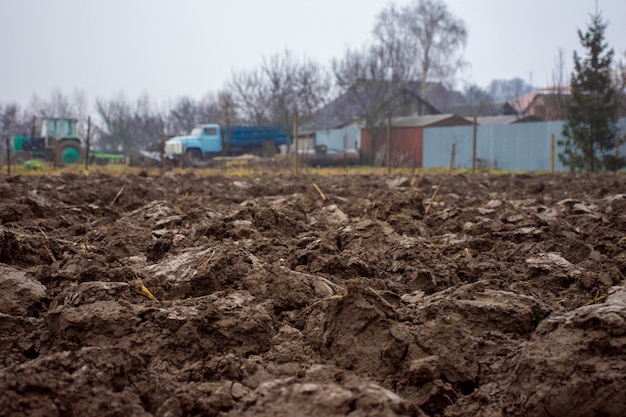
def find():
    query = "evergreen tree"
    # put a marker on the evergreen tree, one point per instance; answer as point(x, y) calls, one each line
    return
point(591, 126)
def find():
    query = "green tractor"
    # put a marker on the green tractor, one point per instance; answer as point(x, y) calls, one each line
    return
point(57, 142)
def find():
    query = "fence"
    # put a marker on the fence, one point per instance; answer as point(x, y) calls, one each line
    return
point(515, 147)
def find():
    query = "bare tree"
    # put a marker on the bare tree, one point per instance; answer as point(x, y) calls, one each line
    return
point(279, 75)
point(182, 116)
point(504, 90)
point(312, 87)
point(282, 86)
point(401, 55)
point(364, 74)
point(209, 108)
point(116, 115)
point(370, 89)
point(559, 81)
point(478, 102)
point(295, 86)
point(13, 121)
point(227, 109)
point(148, 126)
point(59, 105)
point(424, 41)
point(620, 85)
point(620, 75)
point(250, 94)
point(188, 112)
point(127, 127)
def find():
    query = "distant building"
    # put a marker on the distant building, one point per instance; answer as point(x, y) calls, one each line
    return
point(405, 139)
point(542, 104)
point(366, 95)
point(547, 104)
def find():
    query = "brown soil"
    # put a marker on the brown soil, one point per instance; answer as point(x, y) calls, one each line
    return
point(502, 296)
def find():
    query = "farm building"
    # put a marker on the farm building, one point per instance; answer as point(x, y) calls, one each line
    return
point(406, 136)
point(548, 104)
point(359, 101)
point(544, 104)
point(337, 128)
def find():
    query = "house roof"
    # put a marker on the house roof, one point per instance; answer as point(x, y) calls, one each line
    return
point(428, 120)
point(521, 103)
point(349, 107)
point(548, 104)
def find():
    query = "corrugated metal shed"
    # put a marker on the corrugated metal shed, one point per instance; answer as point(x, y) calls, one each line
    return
point(516, 147)
point(406, 139)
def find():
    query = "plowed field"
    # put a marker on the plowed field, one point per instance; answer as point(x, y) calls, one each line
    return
point(190, 295)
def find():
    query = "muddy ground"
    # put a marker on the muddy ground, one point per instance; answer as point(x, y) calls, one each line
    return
point(188, 295)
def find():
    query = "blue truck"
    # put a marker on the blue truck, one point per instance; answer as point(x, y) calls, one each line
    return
point(207, 141)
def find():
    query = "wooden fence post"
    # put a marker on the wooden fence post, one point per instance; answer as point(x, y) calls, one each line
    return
point(295, 143)
point(388, 145)
point(162, 156)
point(552, 153)
point(474, 146)
point(452, 152)
point(87, 150)
point(8, 142)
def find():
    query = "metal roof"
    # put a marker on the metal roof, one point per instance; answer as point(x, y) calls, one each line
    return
point(497, 120)
point(420, 121)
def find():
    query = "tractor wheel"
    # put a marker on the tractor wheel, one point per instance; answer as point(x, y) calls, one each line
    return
point(193, 157)
point(68, 153)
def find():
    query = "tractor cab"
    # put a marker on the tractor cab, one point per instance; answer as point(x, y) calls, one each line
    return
point(58, 129)
point(59, 134)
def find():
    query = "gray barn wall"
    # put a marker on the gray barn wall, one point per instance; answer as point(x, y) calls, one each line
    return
point(516, 147)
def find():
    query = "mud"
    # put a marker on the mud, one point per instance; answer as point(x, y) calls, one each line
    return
point(186, 295)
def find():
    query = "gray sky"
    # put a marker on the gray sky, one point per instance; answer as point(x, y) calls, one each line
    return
point(168, 49)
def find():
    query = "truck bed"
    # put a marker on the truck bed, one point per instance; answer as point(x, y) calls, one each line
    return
point(251, 136)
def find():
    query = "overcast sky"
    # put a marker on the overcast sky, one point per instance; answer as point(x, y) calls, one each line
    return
point(168, 49)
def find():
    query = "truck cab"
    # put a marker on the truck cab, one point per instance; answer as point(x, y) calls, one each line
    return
point(203, 142)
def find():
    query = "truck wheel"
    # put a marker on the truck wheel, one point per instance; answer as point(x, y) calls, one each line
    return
point(192, 157)
point(68, 153)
